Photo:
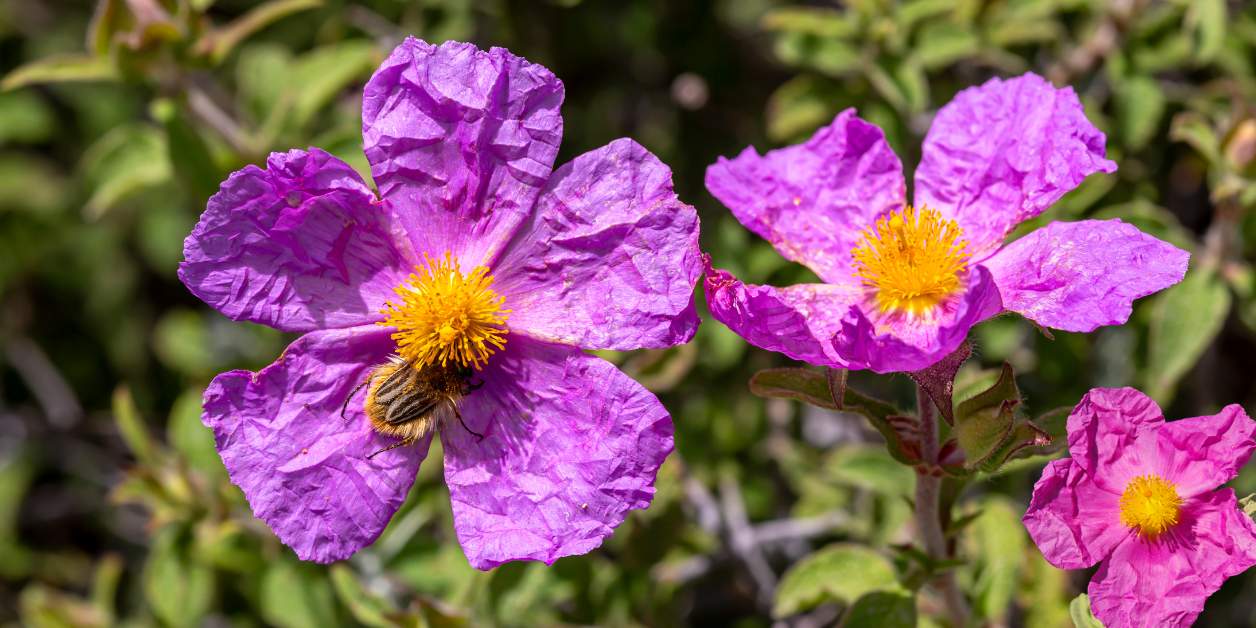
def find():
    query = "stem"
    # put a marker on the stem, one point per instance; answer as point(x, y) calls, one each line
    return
point(928, 518)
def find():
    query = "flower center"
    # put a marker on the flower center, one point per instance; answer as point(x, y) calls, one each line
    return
point(912, 259)
point(1150, 504)
point(445, 316)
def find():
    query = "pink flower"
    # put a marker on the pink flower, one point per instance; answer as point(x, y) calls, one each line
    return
point(903, 285)
point(1139, 497)
point(478, 271)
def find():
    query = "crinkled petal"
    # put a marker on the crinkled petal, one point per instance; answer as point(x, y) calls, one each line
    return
point(610, 258)
point(1105, 433)
point(1202, 453)
point(1074, 523)
point(570, 445)
point(812, 201)
point(301, 245)
point(892, 343)
point(1002, 152)
point(1077, 276)
point(460, 142)
point(798, 321)
point(1166, 582)
point(303, 469)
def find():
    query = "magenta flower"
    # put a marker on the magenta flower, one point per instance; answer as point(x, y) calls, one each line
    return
point(1138, 496)
point(904, 285)
point(462, 294)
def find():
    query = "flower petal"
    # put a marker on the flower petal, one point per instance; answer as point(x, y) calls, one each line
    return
point(812, 201)
point(1077, 276)
point(610, 258)
point(798, 321)
point(1105, 433)
point(1204, 452)
point(1166, 582)
point(570, 445)
point(460, 142)
point(1074, 523)
point(893, 343)
point(303, 469)
point(1001, 153)
point(298, 246)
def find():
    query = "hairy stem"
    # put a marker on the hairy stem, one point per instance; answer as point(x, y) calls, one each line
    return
point(928, 518)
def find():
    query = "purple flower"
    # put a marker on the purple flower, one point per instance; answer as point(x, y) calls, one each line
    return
point(460, 296)
point(1138, 496)
point(904, 285)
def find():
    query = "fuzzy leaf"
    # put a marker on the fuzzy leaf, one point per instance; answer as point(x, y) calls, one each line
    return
point(838, 573)
point(1185, 320)
point(60, 69)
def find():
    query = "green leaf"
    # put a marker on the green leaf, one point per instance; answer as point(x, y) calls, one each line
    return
point(940, 44)
point(122, 163)
point(1079, 612)
point(217, 44)
point(816, 21)
point(837, 573)
point(1185, 320)
point(24, 118)
point(182, 343)
point(1192, 128)
point(833, 57)
point(188, 153)
point(1140, 104)
point(799, 106)
point(999, 544)
point(297, 595)
point(911, 77)
point(813, 387)
point(107, 20)
point(179, 589)
point(60, 69)
point(881, 609)
point(1207, 21)
point(189, 437)
point(132, 427)
point(870, 468)
point(367, 608)
point(318, 76)
point(16, 473)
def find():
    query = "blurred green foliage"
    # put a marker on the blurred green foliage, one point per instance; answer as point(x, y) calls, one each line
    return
point(118, 120)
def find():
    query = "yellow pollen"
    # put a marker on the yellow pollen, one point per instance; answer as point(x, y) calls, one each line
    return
point(1150, 504)
point(913, 259)
point(444, 316)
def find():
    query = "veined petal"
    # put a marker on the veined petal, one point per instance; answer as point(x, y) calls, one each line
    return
point(1077, 276)
point(812, 201)
point(1074, 523)
point(798, 321)
point(303, 469)
point(609, 259)
point(299, 246)
point(460, 142)
point(1166, 582)
point(1000, 153)
point(570, 446)
point(1204, 452)
point(899, 342)
point(1105, 436)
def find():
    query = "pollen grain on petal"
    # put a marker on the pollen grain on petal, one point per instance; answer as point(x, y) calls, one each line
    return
point(912, 260)
point(445, 317)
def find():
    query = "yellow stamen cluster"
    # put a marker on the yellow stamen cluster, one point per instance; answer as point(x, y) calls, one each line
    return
point(445, 316)
point(912, 259)
point(1150, 504)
